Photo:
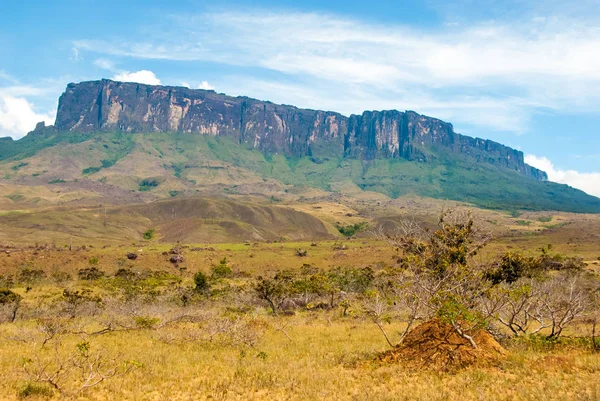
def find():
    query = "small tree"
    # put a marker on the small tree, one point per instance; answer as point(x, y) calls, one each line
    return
point(437, 273)
point(273, 291)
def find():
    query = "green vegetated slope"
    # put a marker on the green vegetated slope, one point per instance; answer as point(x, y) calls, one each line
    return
point(167, 165)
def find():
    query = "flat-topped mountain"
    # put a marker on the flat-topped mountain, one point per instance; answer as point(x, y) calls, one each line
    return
point(130, 107)
point(127, 142)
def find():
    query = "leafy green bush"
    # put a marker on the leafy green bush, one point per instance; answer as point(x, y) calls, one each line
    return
point(90, 170)
point(149, 234)
point(107, 163)
point(148, 184)
point(352, 229)
point(221, 270)
point(513, 265)
point(201, 282)
point(352, 279)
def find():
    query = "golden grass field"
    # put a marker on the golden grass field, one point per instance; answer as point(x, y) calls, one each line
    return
point(312, 354)
point(322, 359)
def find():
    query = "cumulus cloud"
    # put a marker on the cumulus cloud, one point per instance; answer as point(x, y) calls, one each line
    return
point(587, 182)
point(17, 116)
point(206, 86)
point(142, 77)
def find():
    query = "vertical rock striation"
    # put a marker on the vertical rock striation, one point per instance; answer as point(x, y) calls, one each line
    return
point(130, 107)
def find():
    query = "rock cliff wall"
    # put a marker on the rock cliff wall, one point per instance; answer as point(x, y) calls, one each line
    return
point(130, 107)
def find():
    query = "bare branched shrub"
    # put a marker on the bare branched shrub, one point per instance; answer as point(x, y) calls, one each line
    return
point(71, 372)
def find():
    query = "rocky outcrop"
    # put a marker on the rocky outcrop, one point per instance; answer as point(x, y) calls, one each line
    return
point(130, 107)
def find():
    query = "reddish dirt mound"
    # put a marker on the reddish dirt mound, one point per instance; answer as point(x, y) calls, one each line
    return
point(435, 344)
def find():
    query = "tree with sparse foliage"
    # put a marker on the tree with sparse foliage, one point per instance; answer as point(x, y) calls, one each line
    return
point(436, 275)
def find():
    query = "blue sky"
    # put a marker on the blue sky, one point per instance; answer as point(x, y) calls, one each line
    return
point(523, 73)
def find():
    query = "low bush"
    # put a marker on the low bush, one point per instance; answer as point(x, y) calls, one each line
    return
point(29, 276)
point(34, 390)
point(8, 297)
point(90, 273)
point(201, 282)
point(221, 270)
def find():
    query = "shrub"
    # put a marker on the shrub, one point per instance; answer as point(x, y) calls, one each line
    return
point(149, 234)
point(301, 252)
point(352, 229)
point(352, 279)
point(512, 266)
point(90, 170)
point(148, 184)
point(146, 322)
point(273, 291)
point(8, 297)
point(107, 163)
point(93, 261)
point(60, 277)
point(201, 282)
point(34, 390)
point(125, 274)
point(18, 166)
point(221, 270)
point(6, 281)
point(28, 275)
point(90, 273)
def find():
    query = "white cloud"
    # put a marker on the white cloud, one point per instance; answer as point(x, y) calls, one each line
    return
point(505, 65)
point(75, 56)
point(142, 77)
point(104, 64)
point(185, 84)
point(587, 182)
point(17, 116)
point(206, 86)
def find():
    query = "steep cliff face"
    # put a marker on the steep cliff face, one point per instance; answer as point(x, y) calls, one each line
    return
point(129, 107)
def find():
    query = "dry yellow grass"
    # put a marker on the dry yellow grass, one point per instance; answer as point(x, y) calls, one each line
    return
point(318, 355)
point(323, 358)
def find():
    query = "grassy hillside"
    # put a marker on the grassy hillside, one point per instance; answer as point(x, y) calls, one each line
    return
point(163, 165)
point(189, 220)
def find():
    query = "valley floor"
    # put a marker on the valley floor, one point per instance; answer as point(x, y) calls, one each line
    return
point(228, 346)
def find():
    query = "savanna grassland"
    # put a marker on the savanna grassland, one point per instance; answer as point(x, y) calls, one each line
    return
point(95, 317)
